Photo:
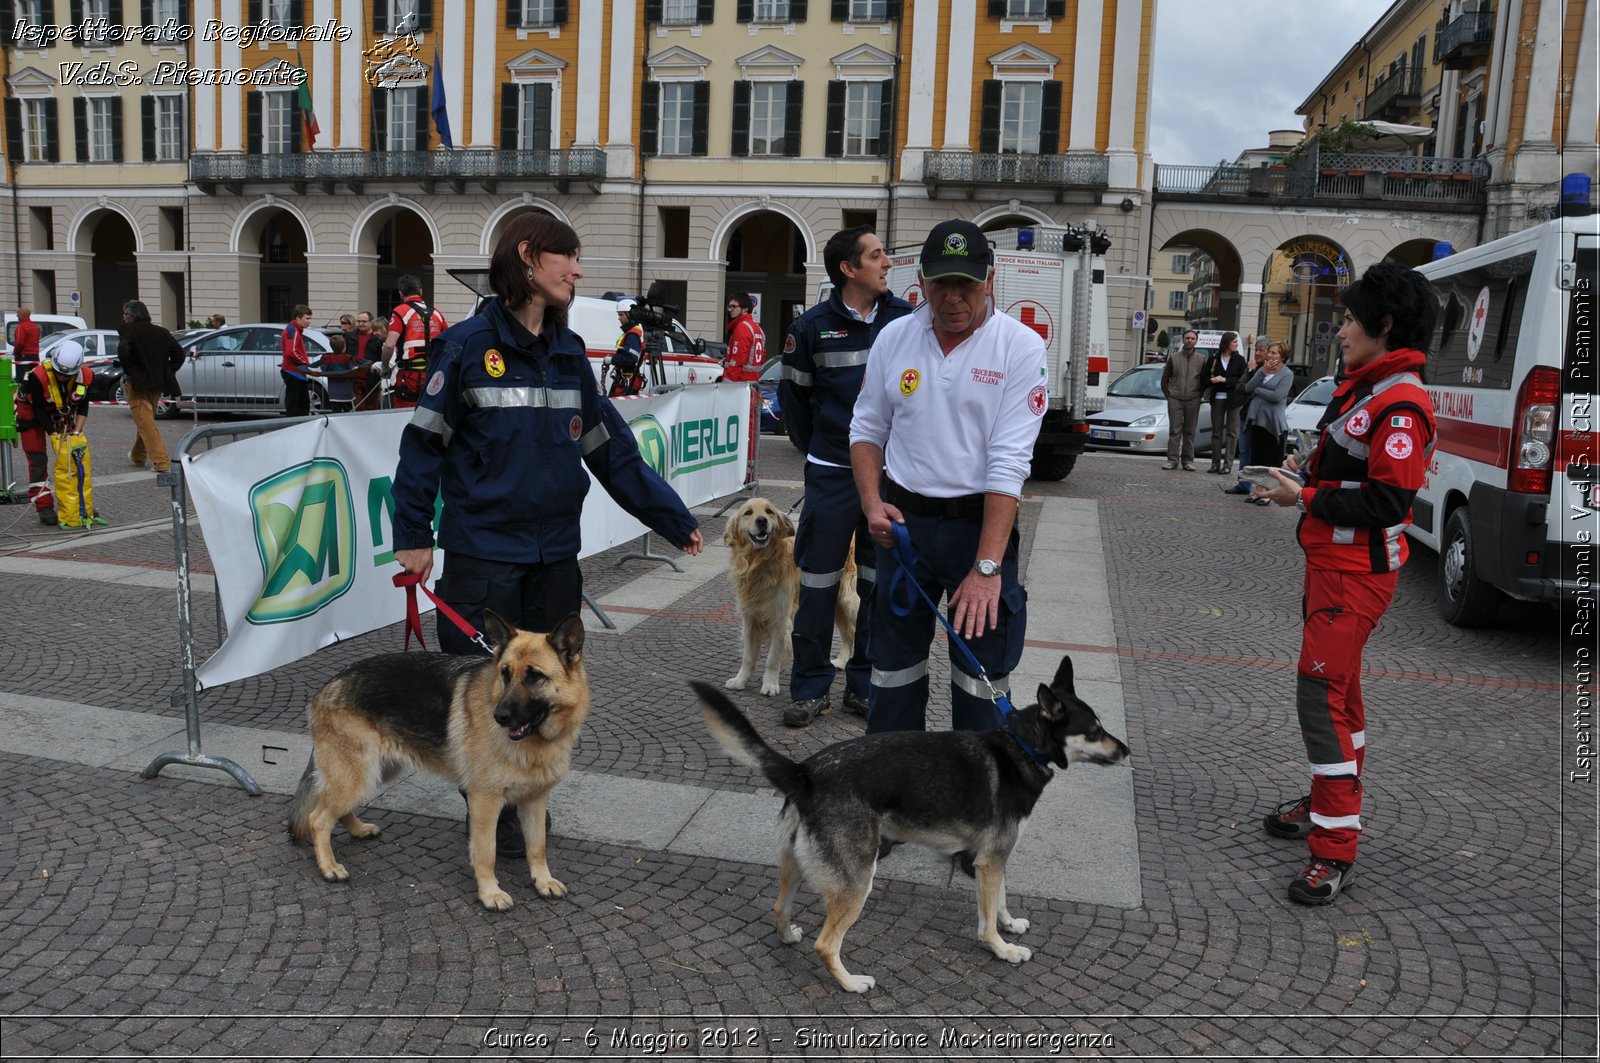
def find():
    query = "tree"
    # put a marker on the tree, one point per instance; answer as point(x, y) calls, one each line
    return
point(1162, 339)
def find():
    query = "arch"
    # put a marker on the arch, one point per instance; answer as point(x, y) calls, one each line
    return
point(1300, 285)
point(504, 213)
point(81, 233)
point(1415, 252)
point(737, 216)
point(247, 226)
point(363, 239)
point(986, 219)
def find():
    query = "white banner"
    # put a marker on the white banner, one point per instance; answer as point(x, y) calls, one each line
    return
point(298, 521)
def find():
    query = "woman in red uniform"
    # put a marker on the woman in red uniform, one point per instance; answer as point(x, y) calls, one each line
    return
point(1377, 433)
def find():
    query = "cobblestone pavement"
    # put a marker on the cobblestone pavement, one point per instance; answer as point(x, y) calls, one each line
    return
point(171, 918)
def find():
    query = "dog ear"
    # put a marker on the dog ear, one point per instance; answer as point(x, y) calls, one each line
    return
point(567, 639)
point(730, 534)
point(1050, 704)
point(785, 525)
point(500, 633)
point(1063, 680)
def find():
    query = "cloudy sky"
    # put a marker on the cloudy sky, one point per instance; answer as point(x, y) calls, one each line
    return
point(1226, 73)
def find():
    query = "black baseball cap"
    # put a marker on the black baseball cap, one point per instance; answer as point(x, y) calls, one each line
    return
point(956, 249)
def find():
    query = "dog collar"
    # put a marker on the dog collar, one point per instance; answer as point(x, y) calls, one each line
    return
point(1022, 743)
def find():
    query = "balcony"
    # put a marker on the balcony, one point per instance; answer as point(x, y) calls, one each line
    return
point(1465, 41)
point(969, 170)
point(1375, 181)
point(351, 171)
point(1395, 95)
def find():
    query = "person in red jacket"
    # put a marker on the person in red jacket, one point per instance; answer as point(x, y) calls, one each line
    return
point(747, 345)
point(52, 400)
point(25, 342)
point(1377, 435)
point(296, 363)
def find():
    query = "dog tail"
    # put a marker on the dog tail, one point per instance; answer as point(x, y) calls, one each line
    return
point(744, 744)
point(305, 797)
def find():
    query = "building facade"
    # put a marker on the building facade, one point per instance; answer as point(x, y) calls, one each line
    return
point(712, 145)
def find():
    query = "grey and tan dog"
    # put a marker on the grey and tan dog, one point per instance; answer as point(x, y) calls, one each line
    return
point(956, 792)
point(501, 728)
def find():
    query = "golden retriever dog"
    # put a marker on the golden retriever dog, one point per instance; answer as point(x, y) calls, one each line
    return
point(766, 588)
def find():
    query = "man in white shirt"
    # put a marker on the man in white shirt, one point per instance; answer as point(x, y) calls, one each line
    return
point(941, 441)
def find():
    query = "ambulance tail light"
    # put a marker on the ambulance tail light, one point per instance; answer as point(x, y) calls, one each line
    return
point(1534, 431)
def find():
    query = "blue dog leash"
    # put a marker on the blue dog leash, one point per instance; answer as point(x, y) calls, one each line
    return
point(907, 559)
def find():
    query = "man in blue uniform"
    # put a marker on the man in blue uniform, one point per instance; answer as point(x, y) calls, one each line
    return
point(824, 362)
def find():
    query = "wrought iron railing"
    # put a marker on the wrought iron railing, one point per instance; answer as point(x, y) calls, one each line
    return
point(1400, 84)
point(1410, 179)
point(1470, 27)
point(467, 164)
point(1077, 170)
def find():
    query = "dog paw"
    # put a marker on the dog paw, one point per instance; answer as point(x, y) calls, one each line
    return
point(335, 873)
point(1012, 953)
point(770, 687)
point(857, 983)
point(736, 683)
point(496, 899)
point(1014, 926)
point(365, 830)
point(791, 935)
point(550, 887)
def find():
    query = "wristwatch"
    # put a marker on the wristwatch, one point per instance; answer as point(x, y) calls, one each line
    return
point(986, 567)
point(1300, 500)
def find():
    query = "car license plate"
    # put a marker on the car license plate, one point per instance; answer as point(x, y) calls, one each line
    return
point(1102, 433)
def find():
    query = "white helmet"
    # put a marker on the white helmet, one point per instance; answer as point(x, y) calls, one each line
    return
point(67, 356)
point(624, 305)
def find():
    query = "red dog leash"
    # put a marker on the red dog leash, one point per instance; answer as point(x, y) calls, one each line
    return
point(414, 617)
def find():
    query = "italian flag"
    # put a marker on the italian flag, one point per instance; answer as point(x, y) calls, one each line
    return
point(310, 116)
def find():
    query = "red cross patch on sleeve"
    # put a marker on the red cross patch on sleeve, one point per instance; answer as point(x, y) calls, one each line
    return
point(1399, 446)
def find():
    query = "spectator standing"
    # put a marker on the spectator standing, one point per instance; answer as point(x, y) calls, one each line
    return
point(1183, 382)
point(824, 364)
point(1224, 375)
point(150, 358)
point(747, 344)
point(338, 370)
point(1370, 459)
point(365, 348)
point(296, 364)
point(513, 383)
point(1243, 487)
point(412, 327)
point(1266, 420)
point(941, 441)
point(24, 343)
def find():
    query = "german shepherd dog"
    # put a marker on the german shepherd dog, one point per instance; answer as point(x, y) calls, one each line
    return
point(501, 728)
point(963, 792)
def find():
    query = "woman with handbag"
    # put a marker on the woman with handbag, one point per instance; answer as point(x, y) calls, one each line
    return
point(1224, 373)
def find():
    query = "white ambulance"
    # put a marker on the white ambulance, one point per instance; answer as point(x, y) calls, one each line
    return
point(1510, 500)
point(1054, 281)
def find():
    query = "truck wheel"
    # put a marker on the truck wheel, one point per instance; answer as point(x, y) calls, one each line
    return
point(1464, 599)
point(1052, 467)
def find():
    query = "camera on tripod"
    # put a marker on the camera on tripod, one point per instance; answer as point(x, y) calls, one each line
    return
point(651, 312)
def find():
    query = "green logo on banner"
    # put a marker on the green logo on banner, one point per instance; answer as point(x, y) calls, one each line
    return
point(305, 536)
point(652, 442)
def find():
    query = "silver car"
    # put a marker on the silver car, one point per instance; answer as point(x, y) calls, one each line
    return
point(236, 370)
point(1135, 416)
point(1305, 410)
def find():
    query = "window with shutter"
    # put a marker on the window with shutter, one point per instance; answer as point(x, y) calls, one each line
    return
point(863, 118)
point(768, 109)
point(679, 12)
point(770, 11)
point(1021, 106)
point(675, 124)
point(37, 116)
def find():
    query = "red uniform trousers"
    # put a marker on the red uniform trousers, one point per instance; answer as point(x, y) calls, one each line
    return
point(1339, 612)
point(36, 445)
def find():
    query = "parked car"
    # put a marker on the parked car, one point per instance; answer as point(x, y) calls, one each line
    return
point(235, 370)
point(767, 388)
point(48, 324)
point(1135, 416)
point(99, 354)
point(1304, 411)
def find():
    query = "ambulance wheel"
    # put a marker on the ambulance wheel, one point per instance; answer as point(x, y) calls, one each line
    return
point(1052, 466)
point(1464, 599)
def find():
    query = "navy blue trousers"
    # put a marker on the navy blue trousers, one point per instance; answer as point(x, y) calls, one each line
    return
point(830, 516)
point(946, 549)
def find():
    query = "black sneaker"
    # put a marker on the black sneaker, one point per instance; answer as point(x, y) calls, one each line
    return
point(855, 704)
point(47, 517)
point(1236, 489)
point(1291, 820)
point(801, 713)
point(1321, 881)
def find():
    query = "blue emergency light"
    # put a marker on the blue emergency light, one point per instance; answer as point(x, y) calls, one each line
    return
point(1575, 196)
point(1443, 249)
